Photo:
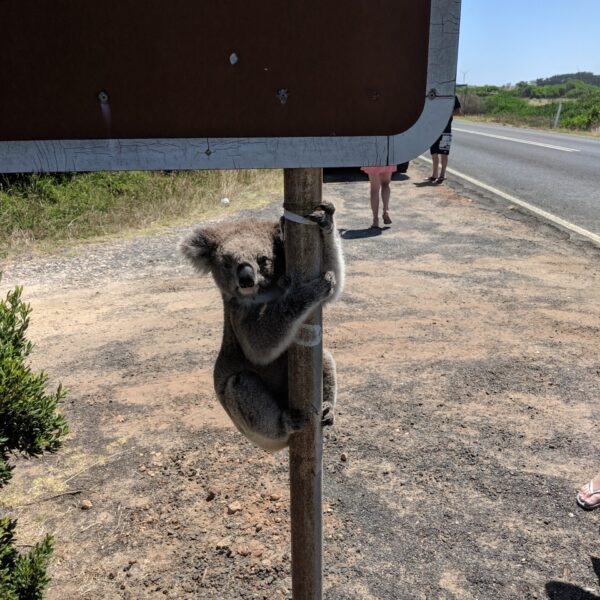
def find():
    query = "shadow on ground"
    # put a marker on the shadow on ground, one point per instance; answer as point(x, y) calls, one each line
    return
point(557, 590)
point(355, 234)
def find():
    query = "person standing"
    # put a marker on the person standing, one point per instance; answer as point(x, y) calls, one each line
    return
point(380, 178)
point(441, 148)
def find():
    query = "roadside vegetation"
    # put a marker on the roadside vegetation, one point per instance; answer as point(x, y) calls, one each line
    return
point(30, 425)
point(535, 104)
point(45, 211)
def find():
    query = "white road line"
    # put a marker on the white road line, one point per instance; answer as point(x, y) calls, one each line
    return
point(510, 139)
point(534, 209)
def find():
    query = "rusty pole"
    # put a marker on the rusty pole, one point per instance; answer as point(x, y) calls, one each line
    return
point(303, 253)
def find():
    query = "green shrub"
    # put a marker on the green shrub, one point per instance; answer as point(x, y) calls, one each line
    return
point(517, 105)
point(22, 576)
point(29, 426)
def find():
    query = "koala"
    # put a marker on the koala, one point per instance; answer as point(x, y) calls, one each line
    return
point(263, 311)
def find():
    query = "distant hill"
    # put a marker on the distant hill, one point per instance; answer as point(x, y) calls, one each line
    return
point(584, 76)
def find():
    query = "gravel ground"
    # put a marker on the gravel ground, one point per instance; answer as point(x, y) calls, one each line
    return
point(468, 356)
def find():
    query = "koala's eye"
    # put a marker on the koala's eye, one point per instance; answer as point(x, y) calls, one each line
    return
point(264, 262)
point(227, 263)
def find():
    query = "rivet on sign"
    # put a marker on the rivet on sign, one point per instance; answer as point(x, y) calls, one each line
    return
point(432, 93)
point(208, 152)
point(282, 95)
point(233, 58)
point(103, 97)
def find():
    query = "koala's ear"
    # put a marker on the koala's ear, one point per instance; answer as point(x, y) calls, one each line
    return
point(199, 247)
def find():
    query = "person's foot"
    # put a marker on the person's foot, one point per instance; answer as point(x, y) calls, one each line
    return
point(440, 180)
point(589, 495)
point(375, 225)
point(432, 178)
point(386, 218)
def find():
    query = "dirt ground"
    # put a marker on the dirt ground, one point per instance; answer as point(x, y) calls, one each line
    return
point(467, 344)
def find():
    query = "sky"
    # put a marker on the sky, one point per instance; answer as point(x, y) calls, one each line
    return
point(507, 41)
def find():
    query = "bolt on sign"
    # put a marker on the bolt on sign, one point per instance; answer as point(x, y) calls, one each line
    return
point(126, 84)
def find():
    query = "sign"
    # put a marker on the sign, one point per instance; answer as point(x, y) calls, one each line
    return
point(131, 84)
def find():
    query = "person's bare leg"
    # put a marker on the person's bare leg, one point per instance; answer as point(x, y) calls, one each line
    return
point(444, 165)
point(435, 163)
point(375, 186)
point(585, 493)
point(385, 179)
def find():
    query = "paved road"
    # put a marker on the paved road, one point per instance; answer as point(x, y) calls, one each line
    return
point(558, 173)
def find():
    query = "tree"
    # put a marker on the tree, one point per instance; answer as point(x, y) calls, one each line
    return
point(30, 425)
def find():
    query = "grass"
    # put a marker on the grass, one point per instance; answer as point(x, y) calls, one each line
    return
point(41, 212)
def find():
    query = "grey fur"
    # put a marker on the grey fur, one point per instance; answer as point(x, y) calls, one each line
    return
point(250, 374)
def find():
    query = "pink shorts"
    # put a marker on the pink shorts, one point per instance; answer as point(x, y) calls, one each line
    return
point(378, 170)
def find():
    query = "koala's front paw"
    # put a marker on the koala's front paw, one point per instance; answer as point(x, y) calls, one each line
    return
point(294, 420)
point(323, 216)
point(316, 290)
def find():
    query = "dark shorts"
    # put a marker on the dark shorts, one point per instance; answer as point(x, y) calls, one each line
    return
point(442, 144)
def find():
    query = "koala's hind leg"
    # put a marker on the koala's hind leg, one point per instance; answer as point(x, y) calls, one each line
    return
point(329, 388)
point(257, 414)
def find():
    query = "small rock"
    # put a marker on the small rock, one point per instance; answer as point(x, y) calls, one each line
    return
point(85, 505)
point(343, 457)
point(224, 200)
point(233, 508)
point(275, 497)
point(223, 544)
point(210, 496)
point(142, 468)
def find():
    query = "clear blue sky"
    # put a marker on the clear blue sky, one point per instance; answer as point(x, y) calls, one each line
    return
point(506, 41)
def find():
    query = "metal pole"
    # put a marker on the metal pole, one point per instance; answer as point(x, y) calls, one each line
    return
point(557, 117)
point(303, 253)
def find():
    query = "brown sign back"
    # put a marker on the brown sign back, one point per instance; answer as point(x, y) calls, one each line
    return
point(77, 69)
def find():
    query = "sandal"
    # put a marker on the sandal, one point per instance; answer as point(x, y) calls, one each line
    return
point(432, 178)
point(440, 180)
point(592, 492)
point(386, 218)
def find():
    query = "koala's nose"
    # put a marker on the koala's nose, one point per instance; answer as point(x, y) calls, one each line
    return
point(245, 275)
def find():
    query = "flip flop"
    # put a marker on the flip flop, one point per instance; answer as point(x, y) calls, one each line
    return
point(431, 179)
point(593, 492)
point(440, 180)
point(386, 219)
point(374, 227)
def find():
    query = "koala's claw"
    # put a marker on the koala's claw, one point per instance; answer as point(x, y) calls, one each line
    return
point(327, 418)
point(323, 216)
point(330, 281)
point(327, 207)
